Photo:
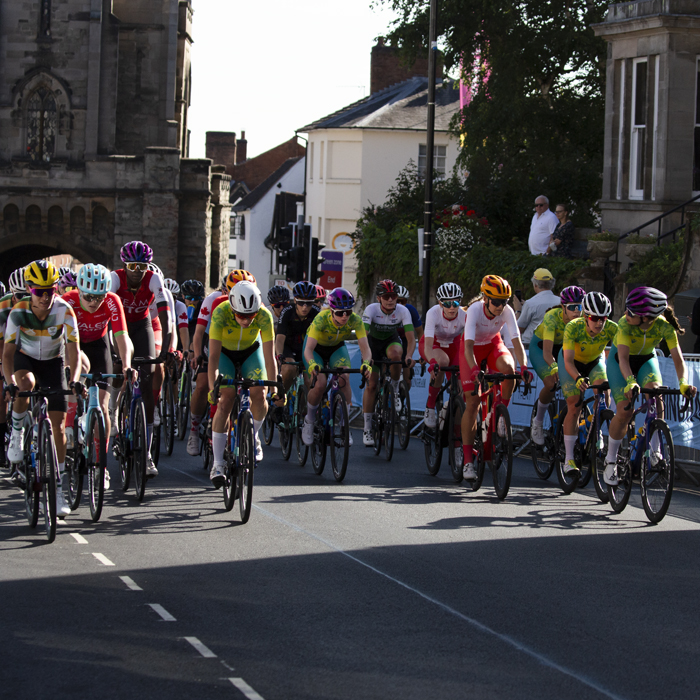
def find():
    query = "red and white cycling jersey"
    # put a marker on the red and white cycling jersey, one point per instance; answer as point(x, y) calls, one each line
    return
point(181, 312)
point(482, 329)
point(94, 326)
point(442, 329)
point(206, 308)
point(136, 305)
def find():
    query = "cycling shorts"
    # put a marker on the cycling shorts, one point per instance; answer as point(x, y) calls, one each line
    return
point(99, 353)
point(536, 357)
point(141, 334)
point(644, 367)
point(379, 348)
point(594, 370)
point(452, 350)
point(48, 374)
point(251, 362)
point(489, 353)
point(330, 355)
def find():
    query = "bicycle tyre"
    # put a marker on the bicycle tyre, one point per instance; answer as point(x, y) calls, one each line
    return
point(388, 419)
point(657, 482)
point(268, 427)
point(125, 455)
point(299, 416)
point(205, 441)
point(597, 444)
point(432, 443)
point(31, 490)
point(73, 462)
point(567, 482)
point(230, 487)
point(48, 463)
point(455, 454)
point(502, 453)
point(96, 463)
point(318, 448)
point(541, 455)
point(377, 427)
point(403, 420)
point(284, 429)
point(340, 437)
point(167, 415)
point(155, 444)
point(140, 449)
point(480, 459)
point(246, 464)
point(183, 404)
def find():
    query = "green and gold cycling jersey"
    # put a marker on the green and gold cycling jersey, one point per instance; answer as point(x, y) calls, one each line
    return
point(643, 342)
point(585, 348)
point(232, 335)
point(5, 308)
point(552, 326)
point(324, 331)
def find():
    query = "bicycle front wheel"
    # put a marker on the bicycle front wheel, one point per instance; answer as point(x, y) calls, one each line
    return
point(230, 468)
point(455, 454)
point(96, 463)
point(502, 452)
point(298, 424)
point(123, 439)
point(377, 427)
point(318, 448)
point(542, 454)
point(167, 415)
point(340, 437)
point(388, 419)
point(284, 429)
point(183, 404)
point(658, 471)
point(31, 484)
point(48, 462)
point(140, 449)
point(74, 473)
point(597, 451)
point(567, 480)
point(403, 419)
point(246, 464)
point(268, 427)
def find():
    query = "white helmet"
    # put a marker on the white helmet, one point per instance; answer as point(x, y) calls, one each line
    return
point(245, 298)
point(449, 290)
point(402, 292)
point(172, 285)
point(16, 281)
point(596, 304)
point(94, 279)
point(155, 269)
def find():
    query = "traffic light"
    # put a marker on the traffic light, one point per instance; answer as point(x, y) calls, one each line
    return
point(284, 238)
point(316, 259)
point(296, 263)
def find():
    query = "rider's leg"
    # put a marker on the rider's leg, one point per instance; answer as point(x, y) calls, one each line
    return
point(219, 425)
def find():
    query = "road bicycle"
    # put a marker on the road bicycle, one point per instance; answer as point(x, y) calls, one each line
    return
point(184, 393)
point(164, 432)
point(332, 424)
point(384, 416)
point(88, 457)
point(268, 426)
point(543, 456)
point(293, 412)
point(647, 455)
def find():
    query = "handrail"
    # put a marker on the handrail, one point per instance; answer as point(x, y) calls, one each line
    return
point(659, 218)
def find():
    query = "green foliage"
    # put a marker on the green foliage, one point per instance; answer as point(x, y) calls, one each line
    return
point(636, 239)
point(604, 236)
point(660, 267)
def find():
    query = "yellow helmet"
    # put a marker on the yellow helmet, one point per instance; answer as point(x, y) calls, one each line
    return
point(238, 276)
point(41, 273)
point(496, 287)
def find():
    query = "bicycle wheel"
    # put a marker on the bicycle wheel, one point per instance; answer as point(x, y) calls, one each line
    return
point(502, 452)
point(205, 441)
point(167, 416)
point(74, 460)
point(230, 470)
point(455, 453)
point(318, 449)
point(377, 427)
point(298, 424)
point(597, 444)
point(284, 429)
point(340, 436)
point(542, 455)
point(183, 403)
point(658, 471)
point(480, 459)
point(567, 482)
point(48, 462)
point(432, 444)
point(155, 444)
point(246, 464)
point(96, 463)
point(31, 485)
point(122, 440)
point(268, 427)
point(140, 449)
point(388, 419)
point(403, 419)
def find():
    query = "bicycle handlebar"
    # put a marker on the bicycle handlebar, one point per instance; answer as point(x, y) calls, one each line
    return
point(604, 386)
point(338, 370)
point(661, 391)
point(45, 392)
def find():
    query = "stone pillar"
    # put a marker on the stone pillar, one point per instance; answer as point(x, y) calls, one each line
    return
point(194, 253)
point(220, 223)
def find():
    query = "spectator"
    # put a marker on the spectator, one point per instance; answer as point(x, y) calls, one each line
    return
point(543, 224)
point(563, 235)
point(531, 313)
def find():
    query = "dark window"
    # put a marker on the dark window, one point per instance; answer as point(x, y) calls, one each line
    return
point(55, 221)
point(41, 125)
point(11, 219)
point(32, 224)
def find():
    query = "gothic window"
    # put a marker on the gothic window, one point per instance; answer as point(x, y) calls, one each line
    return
point(41, 125)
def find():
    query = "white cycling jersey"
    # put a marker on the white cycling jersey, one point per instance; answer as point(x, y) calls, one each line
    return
point(482, 329)
point(442, 329)
point(383, 325)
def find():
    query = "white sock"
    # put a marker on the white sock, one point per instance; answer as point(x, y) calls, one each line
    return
point(149, 433)
point(655, 442)
point(368, 421)
point(61, 472)
point(18, 420)
point(194, 422)
point(311, 412)
point(395, 385)
point(218, 444)
point(256, 425)
point(541, 411)
point(613, 447)
point(569, 444)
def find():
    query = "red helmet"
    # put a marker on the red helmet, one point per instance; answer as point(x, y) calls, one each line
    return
point(386, 287)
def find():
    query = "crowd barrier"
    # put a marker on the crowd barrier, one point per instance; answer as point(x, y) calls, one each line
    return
point(685, 429)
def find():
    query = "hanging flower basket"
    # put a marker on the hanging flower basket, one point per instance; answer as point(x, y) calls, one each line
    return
point(458, 230)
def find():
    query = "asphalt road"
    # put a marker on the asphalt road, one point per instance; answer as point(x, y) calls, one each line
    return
point(394, 584)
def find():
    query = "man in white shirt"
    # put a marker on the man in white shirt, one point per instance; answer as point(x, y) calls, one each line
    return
point(531, 313)
point(544, 221)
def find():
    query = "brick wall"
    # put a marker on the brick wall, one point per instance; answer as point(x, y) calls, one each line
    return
point(256, 170)
point(387, 68)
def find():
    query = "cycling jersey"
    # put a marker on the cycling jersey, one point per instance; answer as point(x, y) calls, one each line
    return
point(442, 329)
point(41, 340)
point(552, 326)
point(204, 315)
point(94, 326)
point(415, 318)
point(587, 349)
point(482, 329)
point(215, 305)
point(233, 336)
point(644, 342)
point(324, 331)
point(136, 305)
point(382, 325)
point(181, 315)
point(5, 308)
point(294, 328)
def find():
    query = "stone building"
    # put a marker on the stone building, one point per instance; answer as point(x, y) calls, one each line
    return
point(93, 134)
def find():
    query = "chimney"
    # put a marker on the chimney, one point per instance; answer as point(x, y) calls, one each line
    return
point(221, 147)
point(241, 149)
point(387, 68)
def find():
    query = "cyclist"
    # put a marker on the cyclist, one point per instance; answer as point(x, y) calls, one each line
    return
point(441, 342)
point(66, 280)
point(97, 310)
point(193, 294)
point(325, 345)
point(279, 299)
point(182, 320)
point(382, 320)
point(241, 333)
point(581, 362)
point(632, 362)
point(138, 287)
point(321, 295)
point(417, 327)
point(482, 342)
point(38, 330)
point(544, 349)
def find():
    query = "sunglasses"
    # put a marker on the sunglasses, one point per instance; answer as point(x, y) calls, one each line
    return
point(631, 313)
point(21, 295)
point(342, 313)
point(251, 315)
point(192, 298)
point(497, 302)
point(537, 206)
point(304, 303)
point(136, 266)
point(43, 291)
point(598, 319)
point(450, 304)
point(573, 307)
point(280, 306)
point(69, 288)
point(91, 298)
point(389, 297)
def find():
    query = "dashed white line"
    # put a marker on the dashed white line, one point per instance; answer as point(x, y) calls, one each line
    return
point(246, 689)
point(131, 584)
point(162, 612)
point(78, 538)
point(203, 650)
point(102, 559)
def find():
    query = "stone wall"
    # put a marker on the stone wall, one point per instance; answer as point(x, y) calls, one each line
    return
point(194, 251)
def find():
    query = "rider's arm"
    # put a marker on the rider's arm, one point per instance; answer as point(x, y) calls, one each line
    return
point(469, 354)
point(410, 344)
point(214, 355)
point(623, 356)
point(73, 358)
point(519, 352)
point(185, 337)
point(125, 348)
point(270, 362)
point(311, 346)
point(197, 340)
point(547, 346)
point(8, 362)
point(363, 343)
point(279, 343)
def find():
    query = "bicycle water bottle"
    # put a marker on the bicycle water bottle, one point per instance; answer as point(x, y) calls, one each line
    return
point(635, 442)
point(82, 428)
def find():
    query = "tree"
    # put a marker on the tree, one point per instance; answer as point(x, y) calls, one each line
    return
point(535, 122)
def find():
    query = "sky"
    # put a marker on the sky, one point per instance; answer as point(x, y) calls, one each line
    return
point(273, 66)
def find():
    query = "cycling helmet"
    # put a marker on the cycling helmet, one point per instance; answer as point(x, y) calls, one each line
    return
point(278, 295)
point(305, 291)
point(320, 293)
point(67, 279)
point(236, 276)
point(192, 289)
point(596, 304)
point(496, 287)
point(172, 285)
point(16, 281)
point(402, 292)
point(223, 286)
point(63, 270)
point(136, 251)
point(94, 279)
point(156, 270)
point(3, 289)
point(646, 301)
point(572, 295)
point(340, 299)
point(245, 298)
point(41, 273)
point(448, 291)
point(386, 287)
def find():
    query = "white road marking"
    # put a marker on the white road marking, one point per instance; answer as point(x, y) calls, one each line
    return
point(204, 651)
point(246, 689)
point(131, 584)
point(103, 559)
point(162, 612)
point(78, 538)
point(519, 646)
point(230, 668)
